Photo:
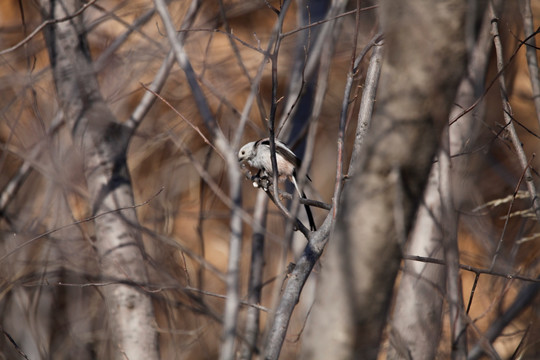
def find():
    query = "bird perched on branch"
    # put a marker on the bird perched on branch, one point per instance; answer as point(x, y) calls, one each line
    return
point(257, 155)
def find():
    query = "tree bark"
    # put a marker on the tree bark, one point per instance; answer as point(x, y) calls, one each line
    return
point(423, 62)
point(417, 316)
point(103, 142)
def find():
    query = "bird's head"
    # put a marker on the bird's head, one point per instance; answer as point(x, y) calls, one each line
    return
point(247, 152)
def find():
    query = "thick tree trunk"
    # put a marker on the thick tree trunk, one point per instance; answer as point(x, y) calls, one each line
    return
point(417, 318)
point(424, 60)
point(103, 143)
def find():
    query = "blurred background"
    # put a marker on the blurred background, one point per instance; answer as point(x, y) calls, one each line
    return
point(51, 302)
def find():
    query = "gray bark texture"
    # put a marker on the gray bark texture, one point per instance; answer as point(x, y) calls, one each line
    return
point(423, 63)
point(103, 142)
point(417, 316)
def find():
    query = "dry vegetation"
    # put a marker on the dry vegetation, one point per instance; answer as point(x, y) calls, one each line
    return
point(52, 298)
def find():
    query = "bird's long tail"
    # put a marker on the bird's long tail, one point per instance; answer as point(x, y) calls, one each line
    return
point(308, 209)
point(309, 215)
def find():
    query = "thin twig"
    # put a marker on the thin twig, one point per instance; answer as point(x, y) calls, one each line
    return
point(310, 255)
point(101, 61)
point(15, 345)
point(10, 189)
point(370, 88)
point(190, 123)
point(472, 269)
point(273, 108)
point(47, 233)
point(44, 24)
point(507, 219)
point(161, 77)
point(317, 23)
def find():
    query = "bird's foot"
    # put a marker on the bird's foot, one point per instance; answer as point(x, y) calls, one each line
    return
point(262, 182)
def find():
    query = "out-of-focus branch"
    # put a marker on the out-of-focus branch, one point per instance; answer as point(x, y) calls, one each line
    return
point(10, 189)
point(317, 240)
point(149, 98)
point(305, 70)
point(523, 299)
point(508, 114)
point(230, 318)
point(448, 225)
point(417, 318)
point(531, 49)
point(379, 202)
point(240, 62)
point(44, 24)
point(255, 282)
point(120, 40)
point(529, 292)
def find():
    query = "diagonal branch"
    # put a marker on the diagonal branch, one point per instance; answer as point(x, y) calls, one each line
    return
point(232, 304)
point(507, 112)
point(531, 49)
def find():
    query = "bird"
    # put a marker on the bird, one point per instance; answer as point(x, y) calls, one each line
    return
point(257, 155)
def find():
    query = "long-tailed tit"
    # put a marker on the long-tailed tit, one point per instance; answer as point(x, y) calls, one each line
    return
point(257, 155)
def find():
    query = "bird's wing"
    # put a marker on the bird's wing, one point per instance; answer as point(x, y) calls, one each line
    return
point(284, 151)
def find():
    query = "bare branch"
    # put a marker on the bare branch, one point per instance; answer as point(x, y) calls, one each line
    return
point(522, 301)
point(316, 242)
point(44, 24)
point(368, 96)
point(507, 112)
point(10, 189)
point(379, 203)
point(531, 49)
point(417, 318)
point(255, 279)
point(235, 244)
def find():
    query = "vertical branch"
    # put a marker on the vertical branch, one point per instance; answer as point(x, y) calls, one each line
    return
point(255, 277)
point(304, 69)
point(317, 240)
point(363, 258)
point(449, 223)
point(368, 101)
point(417, 318)
point(273, 108)
point(230, 316)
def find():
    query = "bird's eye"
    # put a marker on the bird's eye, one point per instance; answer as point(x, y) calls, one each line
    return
point(242, 152)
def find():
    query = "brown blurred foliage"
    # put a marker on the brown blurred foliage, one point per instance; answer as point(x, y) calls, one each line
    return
point(46, 252)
